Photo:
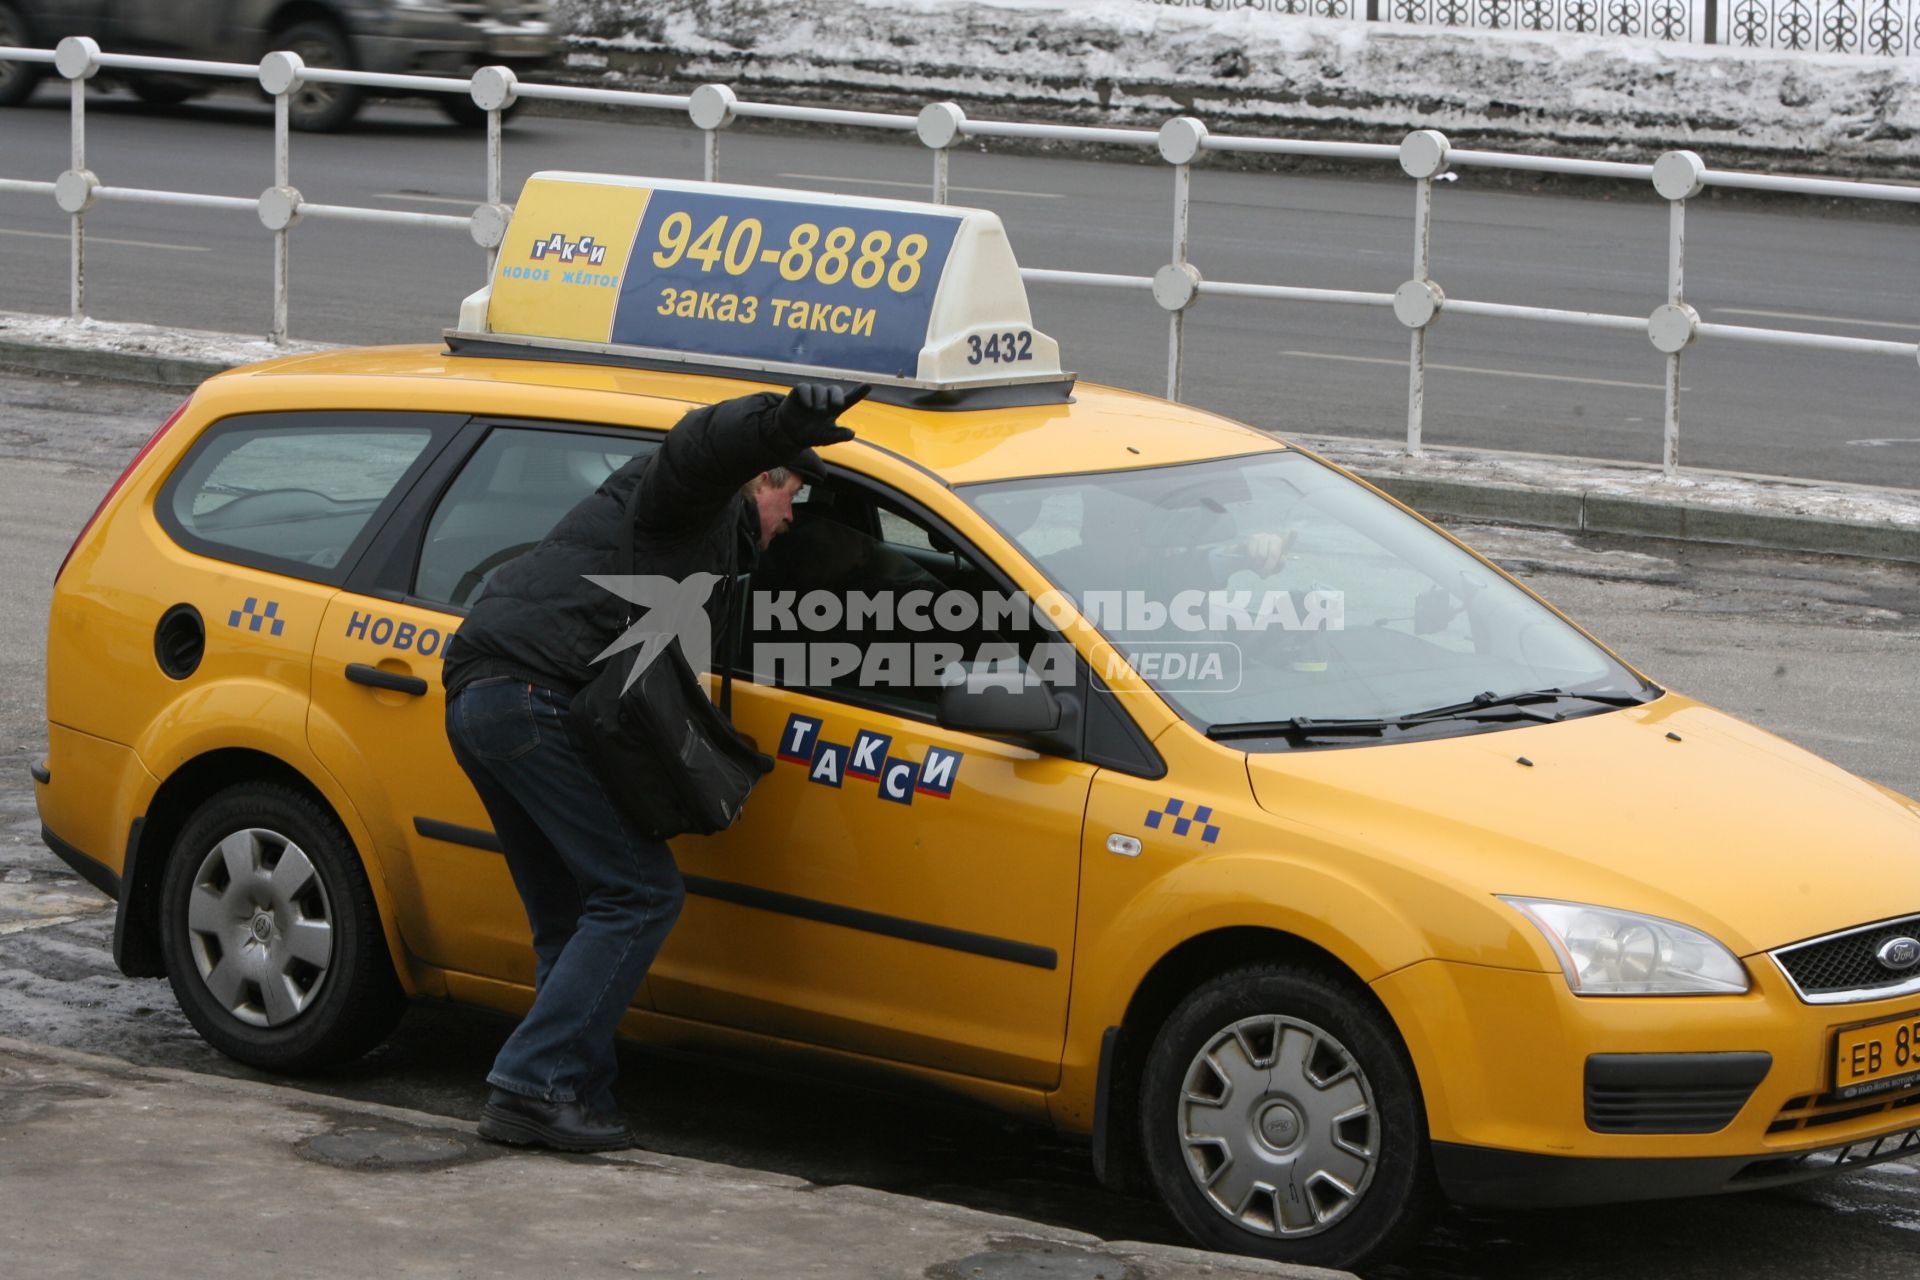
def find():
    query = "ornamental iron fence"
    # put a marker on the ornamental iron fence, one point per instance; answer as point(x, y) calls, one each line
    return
point(1884, 28)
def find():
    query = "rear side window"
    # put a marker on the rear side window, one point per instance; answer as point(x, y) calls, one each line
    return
point(297, 493)
point(514, 488)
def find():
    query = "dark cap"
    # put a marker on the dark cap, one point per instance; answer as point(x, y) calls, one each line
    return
point(807, 465)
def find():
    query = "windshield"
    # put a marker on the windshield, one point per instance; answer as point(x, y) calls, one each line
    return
point(1272, 589)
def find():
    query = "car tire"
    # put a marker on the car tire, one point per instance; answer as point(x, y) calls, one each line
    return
point(17, 79)
point(466, 113)
point(1281, 1117)
point(271, 935)
point(320, 108)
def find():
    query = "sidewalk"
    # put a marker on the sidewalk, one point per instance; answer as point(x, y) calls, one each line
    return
point(112, 1169)
point(1581, 495)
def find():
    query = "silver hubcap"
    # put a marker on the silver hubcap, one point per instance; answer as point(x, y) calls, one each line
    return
point(260, 927)
point(311, 98)
point(1278, 1125)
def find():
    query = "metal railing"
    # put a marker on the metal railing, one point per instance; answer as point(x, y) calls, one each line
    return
point(1672, 326)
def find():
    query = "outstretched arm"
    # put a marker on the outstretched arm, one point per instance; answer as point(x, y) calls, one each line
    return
point(714, 450)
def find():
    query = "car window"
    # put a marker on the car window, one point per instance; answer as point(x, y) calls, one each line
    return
point(863, 598)
point(293, 494)
point(514, 488)
point(1269, 588)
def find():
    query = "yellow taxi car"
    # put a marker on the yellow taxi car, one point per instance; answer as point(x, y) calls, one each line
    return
point(1329, 872)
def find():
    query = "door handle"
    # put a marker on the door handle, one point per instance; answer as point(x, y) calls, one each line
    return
point(361, 673)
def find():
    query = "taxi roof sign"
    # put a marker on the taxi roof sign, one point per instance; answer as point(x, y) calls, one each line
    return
point(761, 279)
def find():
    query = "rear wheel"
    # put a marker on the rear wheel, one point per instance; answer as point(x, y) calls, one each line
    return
point(320, 108)
point(271, 935)
point(1282, 1118)
point(17, 79)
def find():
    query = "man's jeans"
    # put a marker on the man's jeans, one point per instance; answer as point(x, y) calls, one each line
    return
point(599, 895)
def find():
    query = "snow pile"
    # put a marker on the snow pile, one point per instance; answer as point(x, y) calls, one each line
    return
point(1139, 63)
point(141, 342)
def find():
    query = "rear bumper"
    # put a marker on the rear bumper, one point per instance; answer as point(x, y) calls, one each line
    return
point(92, 870)
point(1491, 1178)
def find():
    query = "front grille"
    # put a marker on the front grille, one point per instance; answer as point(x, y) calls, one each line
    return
point(1818, 1111)
point(1844, 965)
point(1670, 1092)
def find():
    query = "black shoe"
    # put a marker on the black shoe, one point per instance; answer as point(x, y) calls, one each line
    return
point(563, 1126)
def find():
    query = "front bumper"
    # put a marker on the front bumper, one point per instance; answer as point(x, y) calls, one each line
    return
point(1526, 1180)
point(1535, 1096)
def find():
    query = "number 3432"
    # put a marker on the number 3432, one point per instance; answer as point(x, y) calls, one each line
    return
point(1000, 348)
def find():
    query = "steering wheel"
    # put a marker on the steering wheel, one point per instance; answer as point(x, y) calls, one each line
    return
point(474, 578)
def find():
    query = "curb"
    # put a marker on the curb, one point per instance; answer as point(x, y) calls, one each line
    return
point(123, 366)
point(282, 1125)
point(1586, 511)
point(1562, 493)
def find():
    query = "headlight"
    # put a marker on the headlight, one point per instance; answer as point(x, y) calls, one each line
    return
point(1620, 953)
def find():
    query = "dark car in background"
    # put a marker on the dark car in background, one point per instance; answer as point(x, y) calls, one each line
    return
point(425, 37)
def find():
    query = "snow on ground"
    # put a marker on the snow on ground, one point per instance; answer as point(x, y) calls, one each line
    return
point(157, 342)
point(1139, 63)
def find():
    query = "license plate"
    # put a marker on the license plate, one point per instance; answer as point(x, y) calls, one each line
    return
point(1877, 1058)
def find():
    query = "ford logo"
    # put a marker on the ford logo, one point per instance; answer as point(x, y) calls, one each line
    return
point(1898, 953)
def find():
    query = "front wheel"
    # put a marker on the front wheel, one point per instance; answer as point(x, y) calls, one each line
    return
point(1281, 1118)
point(314, 107)
point(271, 936)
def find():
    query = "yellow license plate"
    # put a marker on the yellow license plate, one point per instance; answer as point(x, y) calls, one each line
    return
point(1877, 1058)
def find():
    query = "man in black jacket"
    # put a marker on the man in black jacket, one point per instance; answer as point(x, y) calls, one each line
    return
point(600, 895)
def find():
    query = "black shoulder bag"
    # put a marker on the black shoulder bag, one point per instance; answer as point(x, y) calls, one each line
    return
point(669, 758)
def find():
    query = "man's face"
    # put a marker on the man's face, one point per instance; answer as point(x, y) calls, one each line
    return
point(776, 506)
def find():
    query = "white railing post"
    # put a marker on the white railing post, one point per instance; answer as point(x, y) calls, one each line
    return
point(1677, 176)
point(940, 125)
point(494, 90)
point(711, 110)
point(78, 59)
point(1176, 286)
point(1417, 303)
point(280, 75)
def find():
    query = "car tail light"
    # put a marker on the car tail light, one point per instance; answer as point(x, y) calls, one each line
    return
point(145, 449)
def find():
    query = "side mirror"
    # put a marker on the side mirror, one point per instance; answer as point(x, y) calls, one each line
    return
point(996, 702)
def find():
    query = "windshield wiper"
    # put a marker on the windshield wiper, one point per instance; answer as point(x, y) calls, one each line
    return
point(1529, 697)
point(1298, 726)
point(1510, 706)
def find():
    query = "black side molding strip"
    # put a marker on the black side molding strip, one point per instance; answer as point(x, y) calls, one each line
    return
point(92, 871)
point(787, 904)
point(41, 774)
point(472, 837)
point(361, 673)
point(934, 935)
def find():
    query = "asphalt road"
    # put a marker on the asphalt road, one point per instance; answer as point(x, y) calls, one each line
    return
point(1294, 367)
point(1825, 651)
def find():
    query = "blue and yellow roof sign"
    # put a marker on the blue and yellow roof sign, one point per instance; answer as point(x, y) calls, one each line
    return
point(757, 278)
